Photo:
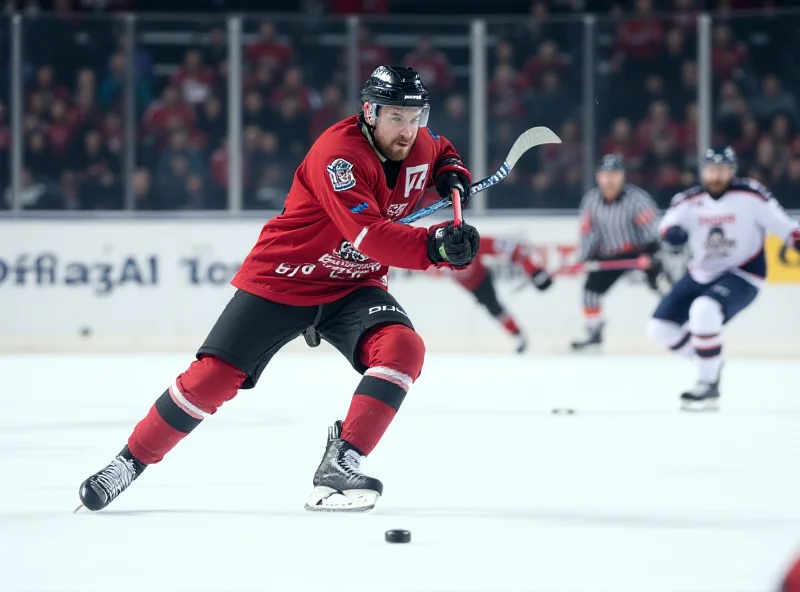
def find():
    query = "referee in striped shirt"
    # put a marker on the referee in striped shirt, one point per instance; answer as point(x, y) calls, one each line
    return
point(618, 221)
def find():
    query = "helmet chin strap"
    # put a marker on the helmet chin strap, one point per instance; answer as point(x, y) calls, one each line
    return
point(362, 120)
point(368, 130)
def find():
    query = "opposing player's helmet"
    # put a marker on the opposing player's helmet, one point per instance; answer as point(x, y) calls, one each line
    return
point(611, 162)
point(396, 86)
point(720, 155)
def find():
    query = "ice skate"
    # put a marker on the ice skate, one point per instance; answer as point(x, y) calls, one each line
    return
point(592, 343)
point(704, 396)
point(522, 343)
point(339, 485)
point(103, 487)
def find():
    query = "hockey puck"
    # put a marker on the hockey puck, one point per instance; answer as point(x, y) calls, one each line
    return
point(563, 411)
point(398, 536)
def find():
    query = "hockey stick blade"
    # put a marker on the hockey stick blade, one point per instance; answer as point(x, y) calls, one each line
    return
point(536, 136)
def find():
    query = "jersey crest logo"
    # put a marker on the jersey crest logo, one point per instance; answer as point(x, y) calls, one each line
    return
point(717, 245)
point(341, 174)
point(415, 178)
point(348, 252)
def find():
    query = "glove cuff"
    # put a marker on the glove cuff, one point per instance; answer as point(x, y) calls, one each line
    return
point(444, 168)
point(454, 164)
point(435, 246)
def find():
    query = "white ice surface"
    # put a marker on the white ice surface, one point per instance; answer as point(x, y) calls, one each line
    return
point(628, 495)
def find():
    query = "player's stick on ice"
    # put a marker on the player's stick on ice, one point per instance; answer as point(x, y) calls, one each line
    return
point(536, 136)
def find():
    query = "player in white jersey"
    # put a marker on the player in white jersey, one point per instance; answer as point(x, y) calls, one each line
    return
point(724, 222)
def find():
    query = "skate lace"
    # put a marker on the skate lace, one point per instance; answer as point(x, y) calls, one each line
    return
point(116, 476)
point(350, 462)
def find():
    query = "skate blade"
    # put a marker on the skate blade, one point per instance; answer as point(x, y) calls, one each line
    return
point(700, 406)
point(327, 499)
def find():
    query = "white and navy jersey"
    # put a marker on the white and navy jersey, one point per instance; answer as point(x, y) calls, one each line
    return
point(624, 225)
point(727, 234)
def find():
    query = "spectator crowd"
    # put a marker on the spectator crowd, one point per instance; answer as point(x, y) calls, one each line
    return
point(645, 75)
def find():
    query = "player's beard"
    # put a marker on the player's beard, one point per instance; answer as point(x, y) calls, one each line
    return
point(717, 187)
point(396, 149)
point(716, 182)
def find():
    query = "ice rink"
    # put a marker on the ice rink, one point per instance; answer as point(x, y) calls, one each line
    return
point(628, 495)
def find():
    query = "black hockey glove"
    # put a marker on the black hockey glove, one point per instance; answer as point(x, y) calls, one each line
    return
point(676, 237)
point(795, 239)
point(542, 280)
point(456, 245)
point(651, 248)
point(450, 173)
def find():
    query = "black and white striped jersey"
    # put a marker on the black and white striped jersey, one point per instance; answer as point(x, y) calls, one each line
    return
point(612, 228)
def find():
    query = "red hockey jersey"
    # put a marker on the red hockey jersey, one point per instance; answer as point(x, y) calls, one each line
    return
point(336, 233)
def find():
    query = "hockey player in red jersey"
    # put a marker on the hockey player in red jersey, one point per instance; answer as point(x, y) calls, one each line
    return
point(478, 279)
point(320, 268)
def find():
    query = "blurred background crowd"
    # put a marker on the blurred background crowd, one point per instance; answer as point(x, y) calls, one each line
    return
point(644, 73)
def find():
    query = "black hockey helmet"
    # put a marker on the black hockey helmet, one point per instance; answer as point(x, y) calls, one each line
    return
point(611, 162)
point(721, 155)
point(396, 86)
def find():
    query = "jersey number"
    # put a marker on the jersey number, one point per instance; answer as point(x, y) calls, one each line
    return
point(291, 270)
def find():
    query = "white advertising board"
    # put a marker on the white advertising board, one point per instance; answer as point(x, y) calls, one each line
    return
point(159, 285)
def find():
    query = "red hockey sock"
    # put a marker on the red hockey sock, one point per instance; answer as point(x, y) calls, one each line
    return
point(394, 356)
point(367, 420)
point(510, 324)
point(153, 436)
point(195, 394)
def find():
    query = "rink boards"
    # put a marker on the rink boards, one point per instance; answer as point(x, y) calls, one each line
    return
point(158, 285)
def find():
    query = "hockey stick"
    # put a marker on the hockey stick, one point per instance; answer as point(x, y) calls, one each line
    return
point(456, 199)
point(536, 136)
point(589, 266)
point(617, 264)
